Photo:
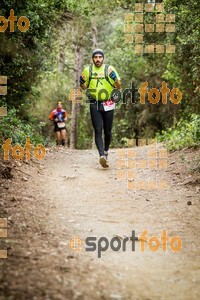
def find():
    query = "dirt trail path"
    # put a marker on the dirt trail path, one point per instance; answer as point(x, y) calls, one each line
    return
point(69, 195)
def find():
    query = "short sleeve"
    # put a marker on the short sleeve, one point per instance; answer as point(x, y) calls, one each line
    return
point(51, 116)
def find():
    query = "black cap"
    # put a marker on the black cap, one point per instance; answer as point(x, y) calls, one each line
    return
point(97, 51)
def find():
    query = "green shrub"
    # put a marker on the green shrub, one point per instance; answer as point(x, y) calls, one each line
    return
point(185, 134)
point(11, 126)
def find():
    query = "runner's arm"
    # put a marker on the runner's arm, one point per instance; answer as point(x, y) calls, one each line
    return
point(83, 84)
point(84, 79)
point(118, 84)
point(65, 116)
point(115, 77)
point(51, 116)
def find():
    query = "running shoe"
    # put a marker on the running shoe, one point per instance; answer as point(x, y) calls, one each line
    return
point(103, 162)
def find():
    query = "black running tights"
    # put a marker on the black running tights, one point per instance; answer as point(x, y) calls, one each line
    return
point(101, 120)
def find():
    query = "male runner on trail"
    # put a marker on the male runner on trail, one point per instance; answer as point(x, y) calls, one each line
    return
point(59, 116)
point(100, 80)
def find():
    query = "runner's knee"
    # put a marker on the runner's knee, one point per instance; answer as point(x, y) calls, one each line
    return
point(98, 130)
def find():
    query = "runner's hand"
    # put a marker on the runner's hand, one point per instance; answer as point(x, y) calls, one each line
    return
point(113, 75)
point(82, 79)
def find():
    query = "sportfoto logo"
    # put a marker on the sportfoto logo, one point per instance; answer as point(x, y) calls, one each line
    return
point(23, 22)
point(148, 18)
point(18, 151)
point(76, 96)
point(3, 92)
point(3, 85)
point(153, 95)
point(3, 234)
point(143, 168)
point(102, 244)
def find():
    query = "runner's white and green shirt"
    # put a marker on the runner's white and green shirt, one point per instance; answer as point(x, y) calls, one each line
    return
point(99, 83)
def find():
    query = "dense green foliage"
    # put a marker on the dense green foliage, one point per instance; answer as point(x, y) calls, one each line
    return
point(22, 57)
point(185, 134)
point(19, 130)
point(40, 65)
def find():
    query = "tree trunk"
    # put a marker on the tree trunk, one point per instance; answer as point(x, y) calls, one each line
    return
point(63, 43)
point(75, 106)
point(94, 45)
point(94, 36)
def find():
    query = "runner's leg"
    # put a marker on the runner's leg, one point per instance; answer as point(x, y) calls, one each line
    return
point(63, 136)
point(97, 122)
point(57, 137)
point(107, 125)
